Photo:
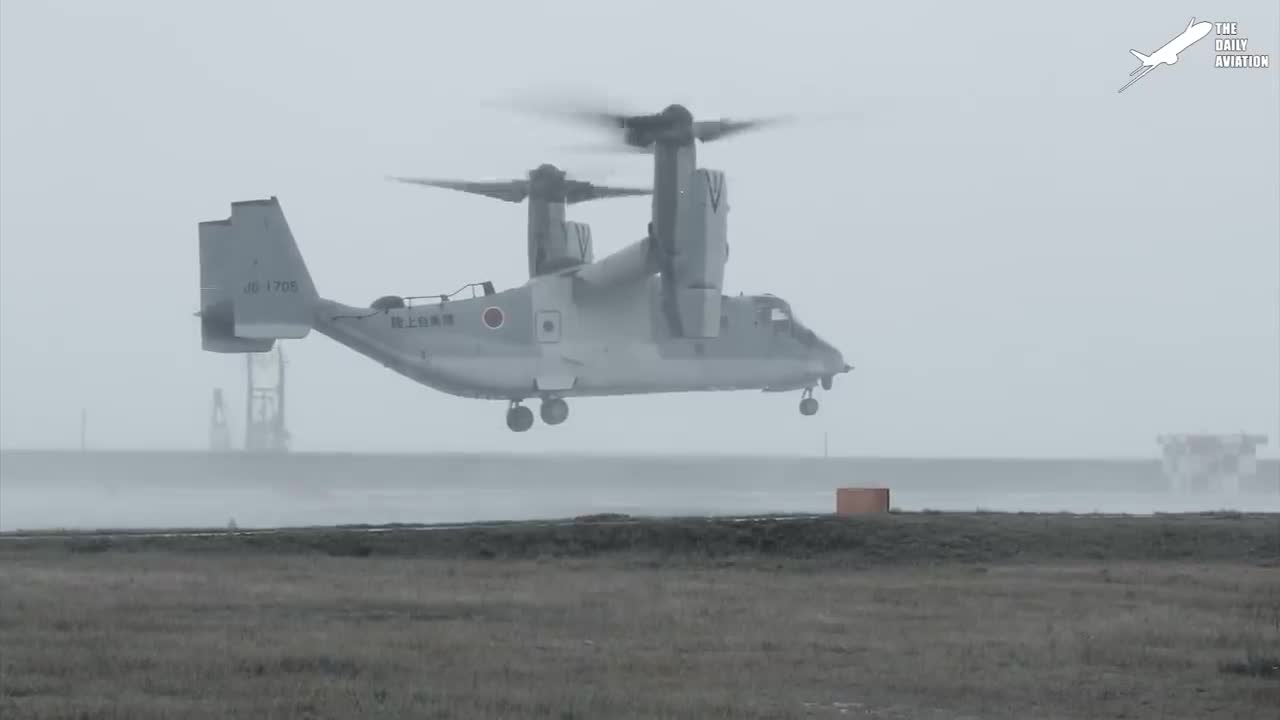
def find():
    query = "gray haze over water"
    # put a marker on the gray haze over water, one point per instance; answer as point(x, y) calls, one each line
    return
point(155, 490)
point(1018, 260)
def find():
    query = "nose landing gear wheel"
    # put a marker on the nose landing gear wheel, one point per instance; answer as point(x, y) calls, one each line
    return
point(809, 406)
point(519, 418)
point(808, 403)
point(554, 411)
point(826, 382)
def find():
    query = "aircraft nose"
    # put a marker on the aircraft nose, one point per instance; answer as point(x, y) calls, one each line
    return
point(824, 358)
point(835, 361)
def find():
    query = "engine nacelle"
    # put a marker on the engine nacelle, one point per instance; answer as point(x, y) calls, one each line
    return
point(559, 244)
point(578, 242)
point(701, 246)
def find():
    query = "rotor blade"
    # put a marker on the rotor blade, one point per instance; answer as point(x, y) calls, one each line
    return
point(609, 147)
point(578, 191)
point(597, 172)
point(637, 131)
point(510, 191)
point(572, 107)
point(712, 130)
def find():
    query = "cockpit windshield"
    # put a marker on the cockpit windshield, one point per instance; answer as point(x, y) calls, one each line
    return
point(804, 334)
point(775, 313)
point(772, 311)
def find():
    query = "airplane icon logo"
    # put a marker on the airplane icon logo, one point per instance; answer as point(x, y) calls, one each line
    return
point(1168, 54)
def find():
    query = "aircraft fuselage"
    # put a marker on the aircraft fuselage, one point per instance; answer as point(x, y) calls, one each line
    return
point(539, 341)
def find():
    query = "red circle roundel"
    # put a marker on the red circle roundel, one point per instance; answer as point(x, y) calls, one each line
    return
point(493, 318)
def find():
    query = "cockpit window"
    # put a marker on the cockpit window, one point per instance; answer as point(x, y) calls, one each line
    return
point(805, 335)
point(775, 313)
point(775, 317)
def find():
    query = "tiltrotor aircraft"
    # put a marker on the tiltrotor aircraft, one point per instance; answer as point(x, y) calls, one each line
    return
point(651, 317)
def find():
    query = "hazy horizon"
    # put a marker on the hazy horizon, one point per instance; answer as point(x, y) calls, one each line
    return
point(1017, 260)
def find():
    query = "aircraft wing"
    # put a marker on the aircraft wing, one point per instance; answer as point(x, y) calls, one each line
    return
point(511, 191)
point(623, 268)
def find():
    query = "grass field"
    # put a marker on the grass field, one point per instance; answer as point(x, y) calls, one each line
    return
point(919, 616)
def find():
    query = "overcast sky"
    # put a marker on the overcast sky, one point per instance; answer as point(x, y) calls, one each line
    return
point(1018, 260)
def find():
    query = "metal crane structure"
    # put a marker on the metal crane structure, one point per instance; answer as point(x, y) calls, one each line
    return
point(264, 426)
point(219, 431)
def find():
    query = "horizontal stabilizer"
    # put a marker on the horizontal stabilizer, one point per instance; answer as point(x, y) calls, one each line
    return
point(254, 285)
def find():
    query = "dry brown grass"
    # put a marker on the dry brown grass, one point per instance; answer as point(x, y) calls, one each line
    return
point(928, 538)
point(151, 634)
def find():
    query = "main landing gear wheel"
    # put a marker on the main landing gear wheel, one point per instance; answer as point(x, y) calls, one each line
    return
point(554, 411)
point(519, 418)
point(808, 403)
